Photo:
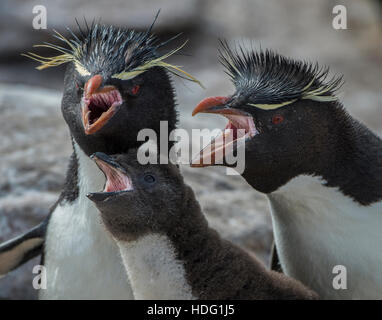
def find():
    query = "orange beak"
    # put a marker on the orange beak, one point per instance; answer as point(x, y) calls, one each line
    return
point(206, 104)
point(103, 101)
point(216, 105)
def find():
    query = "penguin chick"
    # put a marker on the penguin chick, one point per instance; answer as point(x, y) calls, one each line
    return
point(167, 247)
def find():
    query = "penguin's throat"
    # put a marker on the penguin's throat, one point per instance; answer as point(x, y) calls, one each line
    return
point(240, 126)
point(98, 108)
point(239, 129)
point(116, 180)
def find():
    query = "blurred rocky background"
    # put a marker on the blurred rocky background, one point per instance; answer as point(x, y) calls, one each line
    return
point(34, 141)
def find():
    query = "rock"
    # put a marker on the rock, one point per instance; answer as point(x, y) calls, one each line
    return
point(34, 147)
point(18, 212)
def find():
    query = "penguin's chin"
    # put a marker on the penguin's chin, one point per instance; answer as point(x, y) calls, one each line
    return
point(104, 196)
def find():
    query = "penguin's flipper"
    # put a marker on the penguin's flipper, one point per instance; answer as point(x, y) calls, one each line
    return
point(19, 250)
point(275, 262)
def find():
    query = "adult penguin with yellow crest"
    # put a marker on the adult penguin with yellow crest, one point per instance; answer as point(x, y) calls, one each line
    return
point(320, 168)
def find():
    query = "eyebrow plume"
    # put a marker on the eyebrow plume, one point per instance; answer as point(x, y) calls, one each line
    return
point(123, 53)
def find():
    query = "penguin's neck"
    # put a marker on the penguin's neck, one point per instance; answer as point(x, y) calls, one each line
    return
point(154, 270)
point(156, 264)
point(355, 163)
point(351, 161)
point(83, 176)
point(317, 228)
point(330, 217)
point(90, 178)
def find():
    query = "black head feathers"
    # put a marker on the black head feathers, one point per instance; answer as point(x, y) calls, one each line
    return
point(122, 53)
point(273, 80)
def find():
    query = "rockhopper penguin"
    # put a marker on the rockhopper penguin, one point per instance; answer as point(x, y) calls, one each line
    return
point(166, 245)
point(320, 169)
point(116, 84)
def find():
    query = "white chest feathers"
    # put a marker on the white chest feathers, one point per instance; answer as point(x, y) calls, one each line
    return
point(153, 269)
point(317, 228)
point(82, 260)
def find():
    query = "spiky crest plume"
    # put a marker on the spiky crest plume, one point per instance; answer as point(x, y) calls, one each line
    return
point(121, 53)
point(273, 80)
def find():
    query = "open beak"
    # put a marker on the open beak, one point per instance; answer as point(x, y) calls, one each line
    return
point(240, 128)
point(117, 179)
point(99, 104)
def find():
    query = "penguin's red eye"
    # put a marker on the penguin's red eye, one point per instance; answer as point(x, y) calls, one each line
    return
point(277, 119)
point(135, 89)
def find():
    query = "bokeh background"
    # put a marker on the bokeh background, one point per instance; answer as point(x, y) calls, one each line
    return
point(34, 140)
